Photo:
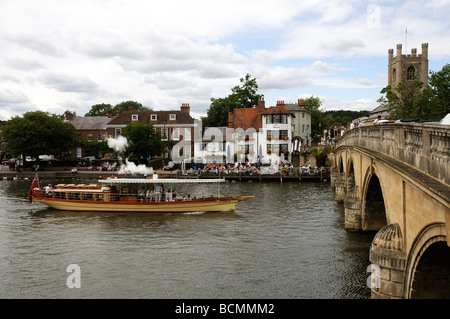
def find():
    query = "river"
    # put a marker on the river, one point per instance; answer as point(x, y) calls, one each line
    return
point(286, 242)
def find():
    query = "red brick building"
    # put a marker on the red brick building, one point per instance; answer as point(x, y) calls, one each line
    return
point(177, 126)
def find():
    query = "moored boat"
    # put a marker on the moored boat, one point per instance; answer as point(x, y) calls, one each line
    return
point(122, 195)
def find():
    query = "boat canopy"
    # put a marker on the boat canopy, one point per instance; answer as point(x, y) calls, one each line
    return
point(159, 181)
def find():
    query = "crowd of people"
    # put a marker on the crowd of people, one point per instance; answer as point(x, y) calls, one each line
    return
point(247, 168)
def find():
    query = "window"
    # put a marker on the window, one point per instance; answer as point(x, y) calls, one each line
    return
point(153, 117)
point(173, 117)
point(118, 132)
point(99, 137)
point(134, 117)
point(410, 74)
point(164, 134)
point(187, 152)
point(303, 115)
point(276, 119)
point(284, 135)
point(90, 137)
point(176, 134)
point(187, 134)
point(176, 152)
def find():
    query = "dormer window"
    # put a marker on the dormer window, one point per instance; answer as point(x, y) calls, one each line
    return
point(173, 117)
point(153, 117)
point(135, 117)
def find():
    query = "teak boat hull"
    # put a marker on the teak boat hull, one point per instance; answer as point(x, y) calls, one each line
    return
point(203, 205)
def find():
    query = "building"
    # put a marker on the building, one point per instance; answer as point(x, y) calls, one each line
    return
point(302, 121)
point(177, 126)
point(407, 67)
point(263, 134)
point(278, 131)
point(404, 68)
point(89, 129)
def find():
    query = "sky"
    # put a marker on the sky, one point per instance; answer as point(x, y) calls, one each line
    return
point(69, 55)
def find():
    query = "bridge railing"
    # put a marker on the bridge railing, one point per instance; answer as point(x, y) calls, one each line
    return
point(424, 146)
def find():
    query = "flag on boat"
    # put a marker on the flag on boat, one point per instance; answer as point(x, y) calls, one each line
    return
point(34, 184)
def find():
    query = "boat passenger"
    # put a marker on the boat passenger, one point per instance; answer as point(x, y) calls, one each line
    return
point(48, 190)
point(141, 194)
point(158, 192)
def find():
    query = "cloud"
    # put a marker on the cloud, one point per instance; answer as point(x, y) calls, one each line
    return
point(56, 55)
point(68, 83)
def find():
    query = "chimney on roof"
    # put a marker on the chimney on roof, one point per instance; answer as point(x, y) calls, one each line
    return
point(185, 108)
point(300, 102)
point(261, 103)
point(110, 113)
point(117, 112)
point(130, 107)
point(69, 115)
point(280, 103)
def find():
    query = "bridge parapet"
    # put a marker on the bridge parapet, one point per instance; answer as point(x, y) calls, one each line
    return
point(424, 146)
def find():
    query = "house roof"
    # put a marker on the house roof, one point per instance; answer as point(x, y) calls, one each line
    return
point(163, 117)
point(296, 108)
point(89, 122)
point(279, 109)
point(245, 118)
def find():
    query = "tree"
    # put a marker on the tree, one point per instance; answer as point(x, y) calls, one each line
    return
point(414, 100)
point(99, 110)
point(124, 106)
point(318, 121)
point(243, 96)
point(408, 100)
point(440, 87)
point(143, 141)
point(38, 133)
point(103, 109)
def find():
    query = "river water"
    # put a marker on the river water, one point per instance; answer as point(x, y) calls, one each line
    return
point(286, 242)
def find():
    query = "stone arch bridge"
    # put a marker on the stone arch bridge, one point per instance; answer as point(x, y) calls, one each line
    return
point(393, 179)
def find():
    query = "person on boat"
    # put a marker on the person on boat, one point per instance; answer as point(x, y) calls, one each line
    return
point(158, 192)
point(141, 194)
point(48, 190)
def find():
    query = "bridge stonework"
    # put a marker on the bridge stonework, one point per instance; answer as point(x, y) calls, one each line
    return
point(393, 180)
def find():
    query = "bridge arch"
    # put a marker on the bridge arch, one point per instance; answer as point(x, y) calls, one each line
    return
point(401, 178)
point(428, 271)
point(351, 182)
point(373, 207)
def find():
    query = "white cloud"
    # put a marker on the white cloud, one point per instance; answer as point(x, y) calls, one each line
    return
point(58, 54)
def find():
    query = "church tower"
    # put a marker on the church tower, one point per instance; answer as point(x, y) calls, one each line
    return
point(408, 67)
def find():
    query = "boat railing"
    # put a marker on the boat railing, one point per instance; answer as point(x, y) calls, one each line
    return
point(76, 195)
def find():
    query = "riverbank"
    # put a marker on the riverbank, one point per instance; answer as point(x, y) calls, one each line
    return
point(8, 174)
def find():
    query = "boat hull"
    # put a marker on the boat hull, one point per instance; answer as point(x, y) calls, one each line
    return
point(203, 205)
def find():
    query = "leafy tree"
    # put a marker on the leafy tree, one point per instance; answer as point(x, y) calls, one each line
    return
point(124, 106)
point(345, 117)
point(413, 100)
point(38, 133)
point(440, 86)
point(318, 121)
point(99, 110)
point(93, 148)
point(407, 100)
point(143, 140)
point(242, 96)
point(103, 109)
